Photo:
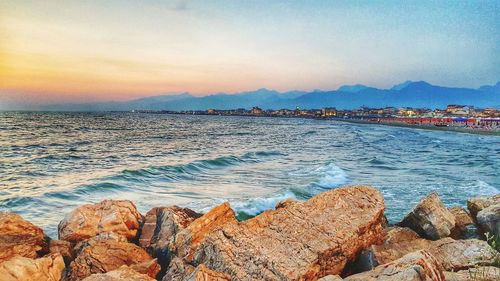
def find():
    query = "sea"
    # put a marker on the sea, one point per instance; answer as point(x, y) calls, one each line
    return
point(51, 163)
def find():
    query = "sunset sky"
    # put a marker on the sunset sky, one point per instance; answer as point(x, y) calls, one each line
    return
point(75, 51)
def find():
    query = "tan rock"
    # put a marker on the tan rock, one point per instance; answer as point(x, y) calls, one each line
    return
point(203, 273)
point(150, 268)
point(118, 216)
point(430, 218)
point(124, 273)
point(48, 268)
point(462, 254)
point(488, 219)
point(476, 204)
point(397, 242)
point(482, 273)
point(63, 248)
point(103, 236)
point(416, 266)
point(452, 254)
point(20, 237)
point(187, 241)
point(178, 270)
point(104, 256)
point(464, 224)
point(161, 226)
point(331, 278)
point(301, 241)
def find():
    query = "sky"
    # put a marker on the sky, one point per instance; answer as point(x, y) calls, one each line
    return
point(81, 51)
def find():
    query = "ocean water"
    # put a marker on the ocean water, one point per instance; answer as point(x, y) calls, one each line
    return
point(51, 163)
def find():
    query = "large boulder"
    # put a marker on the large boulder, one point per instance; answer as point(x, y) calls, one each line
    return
point(481, 273)
point(18, 268)
point(124, 273)
point(462, 254)
point(103, 236)
point(107, 255)
point(161, 225)
point(178, 270)
point(203, 273)
point(20, 237)
point(464, 224)
point(476, 204)
point(488, 219)
point(118, 216)
point(63, 248)
point(451, 254)
point(187, 241)
point(430, 218)
point(397, 242)
point(299, 241)
point(416, 266)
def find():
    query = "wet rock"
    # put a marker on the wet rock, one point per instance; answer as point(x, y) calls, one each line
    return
point(63, 248)
point(464, 225)
point(482, 273)
point(178, 270)
point(187, 241)
point(301, 241)
point(476, 204)
point(488, 219)
point(415, 266)
point(124, 273)
point(161, 226)
point(203, 273)
point(118, 216)
point(104, 256)
point(20, 237)
point(48, 268)
point(430, 218)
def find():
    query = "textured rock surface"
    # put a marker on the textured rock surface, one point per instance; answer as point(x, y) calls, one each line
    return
point(464, 225)
point(19, 237)
point(462, 254)
point(124, 273)
point(203, 273)
point(452, 254)
point(48, 268)
point(160, 228)
point(63, 248)
point(104, 236)
point(105, 256)
point(331, 278)
point(482, 273)
point(476, 204)
point(488, 219)
point(430, 219)
point(303, 241)
point(397, 242)
point(187, 241)
point(118, 216)
point(178, 270)
point(416, 266)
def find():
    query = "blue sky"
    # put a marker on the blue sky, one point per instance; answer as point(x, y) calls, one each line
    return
point(117, 50)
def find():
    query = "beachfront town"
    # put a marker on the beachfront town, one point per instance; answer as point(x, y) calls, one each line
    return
point(451, 116)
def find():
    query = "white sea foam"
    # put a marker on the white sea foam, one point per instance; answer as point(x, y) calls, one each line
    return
point(258, 205)
point(331, 176)
point(485, 188)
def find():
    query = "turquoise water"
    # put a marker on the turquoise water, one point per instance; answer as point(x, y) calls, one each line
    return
point(51, 163)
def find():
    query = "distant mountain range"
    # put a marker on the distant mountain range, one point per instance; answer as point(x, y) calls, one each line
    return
point(408, 94)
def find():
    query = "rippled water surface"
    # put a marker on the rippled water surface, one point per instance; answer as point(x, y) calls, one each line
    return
point(51, 163)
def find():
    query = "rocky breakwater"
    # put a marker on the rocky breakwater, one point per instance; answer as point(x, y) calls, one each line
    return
point(337, 235)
